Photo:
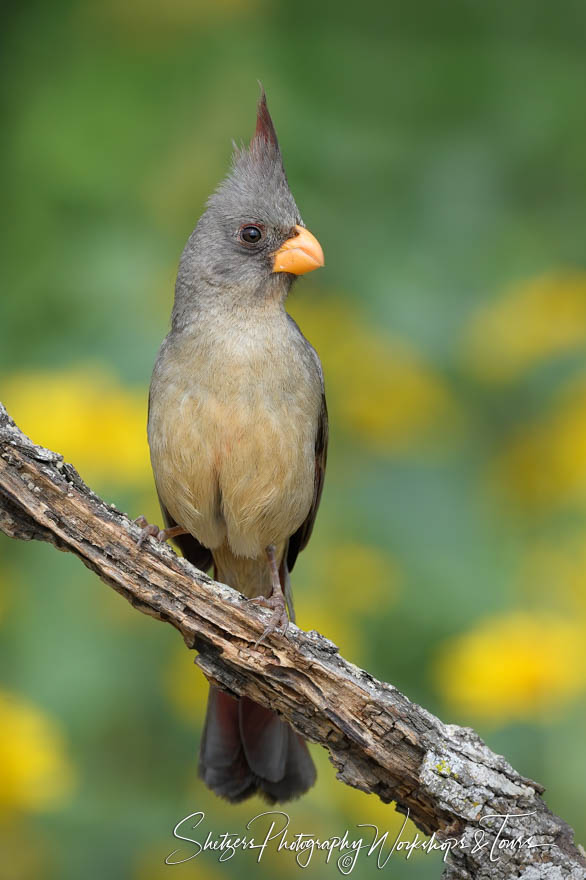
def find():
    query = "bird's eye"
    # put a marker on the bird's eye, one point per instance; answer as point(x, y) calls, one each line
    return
point(251, 234)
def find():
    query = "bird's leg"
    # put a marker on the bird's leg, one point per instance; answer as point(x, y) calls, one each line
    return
point(150, 529)
point(276, 600)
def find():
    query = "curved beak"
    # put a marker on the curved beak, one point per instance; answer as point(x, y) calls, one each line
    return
point(299, 254)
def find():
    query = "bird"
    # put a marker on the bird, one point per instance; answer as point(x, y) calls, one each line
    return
point(238, 437)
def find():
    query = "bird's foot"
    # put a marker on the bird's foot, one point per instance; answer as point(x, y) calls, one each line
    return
point(151, 530)
point(277, 619)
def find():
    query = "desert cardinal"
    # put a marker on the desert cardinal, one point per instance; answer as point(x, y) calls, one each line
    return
point(237, 431)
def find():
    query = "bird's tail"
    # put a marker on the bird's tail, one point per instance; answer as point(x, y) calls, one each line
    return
point(246, 748)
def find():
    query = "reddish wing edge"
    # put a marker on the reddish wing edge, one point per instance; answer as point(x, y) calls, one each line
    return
point(298, 541)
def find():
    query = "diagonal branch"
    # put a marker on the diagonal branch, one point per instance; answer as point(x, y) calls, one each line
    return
point(443, 775)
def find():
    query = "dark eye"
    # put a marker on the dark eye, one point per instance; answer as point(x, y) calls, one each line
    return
point(251, 234)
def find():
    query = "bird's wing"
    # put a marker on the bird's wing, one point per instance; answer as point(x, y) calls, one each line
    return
point(299, 539)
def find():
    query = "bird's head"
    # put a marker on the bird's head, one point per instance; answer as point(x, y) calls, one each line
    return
point(251, 241)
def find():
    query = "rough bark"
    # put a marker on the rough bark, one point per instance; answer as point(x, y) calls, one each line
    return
point(443, 775)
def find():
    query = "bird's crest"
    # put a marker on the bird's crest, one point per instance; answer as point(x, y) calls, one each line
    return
point(265, 130)
point(257, 182)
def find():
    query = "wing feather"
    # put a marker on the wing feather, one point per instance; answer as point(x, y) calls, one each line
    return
point(298, 541)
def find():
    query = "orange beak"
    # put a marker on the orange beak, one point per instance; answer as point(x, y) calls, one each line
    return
point(299, 254)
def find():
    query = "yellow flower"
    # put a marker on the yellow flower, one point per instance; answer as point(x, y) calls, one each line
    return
point(84, 413)
point(516, 666)
point(35, 771)
point(532, 322)
point(545, 465)
point(378, 387)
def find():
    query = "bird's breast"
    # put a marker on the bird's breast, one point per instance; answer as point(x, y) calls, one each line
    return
point(232, 437)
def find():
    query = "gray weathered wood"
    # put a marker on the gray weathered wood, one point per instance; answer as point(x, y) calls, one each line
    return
point(379, 741)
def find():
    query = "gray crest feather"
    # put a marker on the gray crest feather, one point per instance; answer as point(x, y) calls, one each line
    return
point(257, 178)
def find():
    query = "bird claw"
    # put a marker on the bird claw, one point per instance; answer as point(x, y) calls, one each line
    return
point(149, 530)
point(277, 619)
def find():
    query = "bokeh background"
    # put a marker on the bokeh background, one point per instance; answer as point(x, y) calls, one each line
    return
point(438, 152)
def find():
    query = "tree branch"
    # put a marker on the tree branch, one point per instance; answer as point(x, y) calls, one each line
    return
point(443, 775)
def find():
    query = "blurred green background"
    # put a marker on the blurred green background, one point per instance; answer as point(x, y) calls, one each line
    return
point(437, 151)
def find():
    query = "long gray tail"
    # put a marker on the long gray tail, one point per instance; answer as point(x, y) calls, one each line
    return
point(246, 748)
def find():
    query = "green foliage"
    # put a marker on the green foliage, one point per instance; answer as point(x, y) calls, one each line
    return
point(436, 150)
